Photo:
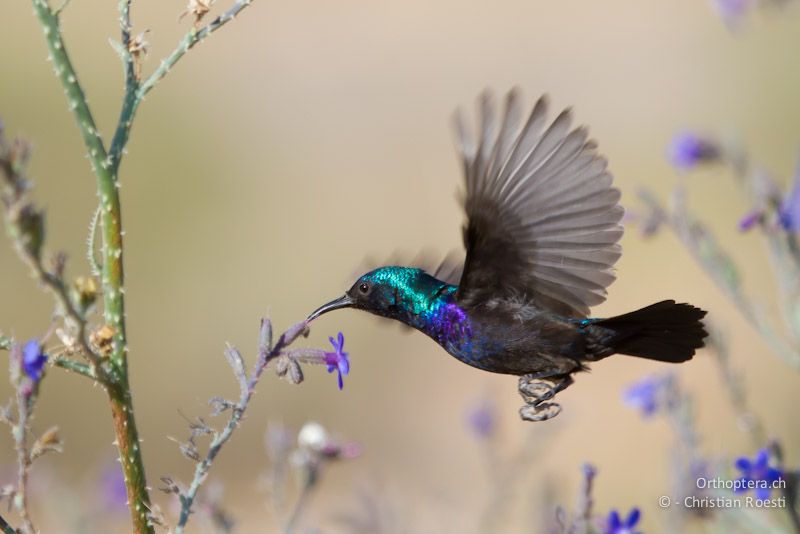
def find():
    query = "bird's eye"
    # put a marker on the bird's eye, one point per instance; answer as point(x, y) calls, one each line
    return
point(364, 288)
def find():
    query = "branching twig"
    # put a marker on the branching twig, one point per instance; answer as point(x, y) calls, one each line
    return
point(105, 165)
point(266, 353)
point(135, 91)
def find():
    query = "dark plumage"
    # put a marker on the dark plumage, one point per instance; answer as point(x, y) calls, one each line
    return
point(541, 237)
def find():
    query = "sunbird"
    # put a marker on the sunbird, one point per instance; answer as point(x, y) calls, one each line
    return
point(541, 236)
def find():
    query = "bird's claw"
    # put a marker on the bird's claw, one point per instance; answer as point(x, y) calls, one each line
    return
point(539, 412)
point(535, 391)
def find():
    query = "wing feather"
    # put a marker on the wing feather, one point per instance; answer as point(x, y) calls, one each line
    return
point(543, 219)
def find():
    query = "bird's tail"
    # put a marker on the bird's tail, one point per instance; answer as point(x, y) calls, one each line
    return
point(665, 331)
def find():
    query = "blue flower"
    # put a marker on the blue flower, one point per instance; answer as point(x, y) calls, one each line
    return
point(482, 419)
point(112, 483)
point(789, 211)
point(33, 359)
point(615, 524)
point(338, 360)
point(757, 474)
point(646, 395)
point(689, 150)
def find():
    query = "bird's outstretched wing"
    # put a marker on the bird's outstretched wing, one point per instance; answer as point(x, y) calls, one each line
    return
point(542, 215)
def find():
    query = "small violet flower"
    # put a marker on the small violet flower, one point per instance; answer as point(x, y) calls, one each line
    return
point(338, 360)
point(689, 150)
point(757, 474)
point(33, 360)
point(616, 525)
point(750, 220)
point(482, 419)
point(646, 395)
point(789, 211)
point(732, 11)
point(112, 482)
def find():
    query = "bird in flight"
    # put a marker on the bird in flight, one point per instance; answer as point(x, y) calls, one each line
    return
point(541, 235)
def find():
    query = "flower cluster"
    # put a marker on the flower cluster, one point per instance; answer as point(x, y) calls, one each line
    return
point(615, 524)
point(287, 365)
point(757, 474)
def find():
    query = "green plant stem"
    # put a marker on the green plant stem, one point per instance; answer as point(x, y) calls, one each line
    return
point(106, 167)
point(118, 387)
point(136, 90)
point(5, 527)
point(76, 367)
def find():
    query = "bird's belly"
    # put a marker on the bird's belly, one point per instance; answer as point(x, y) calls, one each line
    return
point(513, 356)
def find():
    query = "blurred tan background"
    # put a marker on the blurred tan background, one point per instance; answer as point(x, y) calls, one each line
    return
point(306, 135)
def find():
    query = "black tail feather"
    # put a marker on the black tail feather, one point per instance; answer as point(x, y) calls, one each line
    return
point(665, 331)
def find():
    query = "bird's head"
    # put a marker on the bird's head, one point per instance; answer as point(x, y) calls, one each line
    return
point(387, 291)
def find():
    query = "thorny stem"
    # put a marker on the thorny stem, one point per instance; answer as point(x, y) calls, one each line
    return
point(106, 166)
point(266, 354)
point(112, 274)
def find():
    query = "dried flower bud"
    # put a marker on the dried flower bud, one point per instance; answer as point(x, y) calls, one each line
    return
point(236, 362)
point(29, 225)
point(155, 517)
point(169, 486)
point(219, 405)
point(295, 374)
point(102, 339)
point(50, 441)
point(188, 449)
point(84, 293)
point(282, 365)
point(265, 335)
point(198, 9)
point(137, 48)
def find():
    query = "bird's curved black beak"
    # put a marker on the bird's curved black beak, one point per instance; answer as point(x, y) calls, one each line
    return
point(342, 302)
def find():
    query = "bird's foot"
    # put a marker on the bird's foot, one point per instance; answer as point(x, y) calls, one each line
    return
point(536, 390)
point(539, 412)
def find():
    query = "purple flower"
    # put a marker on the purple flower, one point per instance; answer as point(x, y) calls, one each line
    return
point(689, 150)
point(338, 360)
point(757, 474)
point(789, 211)
point(749, 220)
point(482, 419)
point(115, 494)
point(732, 11)
point(616, 525)
point(33, 359)
point(646, 395)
